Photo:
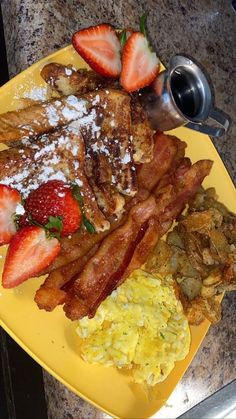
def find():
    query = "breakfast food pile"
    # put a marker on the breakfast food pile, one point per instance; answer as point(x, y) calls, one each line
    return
point(87, 190)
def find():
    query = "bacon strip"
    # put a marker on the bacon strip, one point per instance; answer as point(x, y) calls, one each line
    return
point(186, 185)
point(51, 294)
point(132, 243)
point(78, 245)
point(110, 262)
point(165, 149)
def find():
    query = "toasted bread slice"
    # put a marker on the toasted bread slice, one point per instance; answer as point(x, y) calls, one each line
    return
point(142, 133)
point(59, 155)
point(66, 80)
point(109, 163)
point(108, 143)
point(41, 118)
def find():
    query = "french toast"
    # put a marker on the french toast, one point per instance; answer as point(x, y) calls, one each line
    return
point(40, 118)
point(66, 80)
point(105, 126)
point(59, 155)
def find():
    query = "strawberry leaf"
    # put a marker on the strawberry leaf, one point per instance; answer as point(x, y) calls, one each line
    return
point(54, 223)
point(89, 226)
point(143, 24)
point(123, 39)
point(77, 194)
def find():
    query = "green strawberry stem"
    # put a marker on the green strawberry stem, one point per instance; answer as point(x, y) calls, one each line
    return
point(143, 24)
point(89, 226)
point(77, 195)
point(123, 39)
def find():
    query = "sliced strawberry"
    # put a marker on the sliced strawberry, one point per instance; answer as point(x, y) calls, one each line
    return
point(9, 199)
point(53, 199)
point(140, 65)
point(30, 251)
point(100, 48)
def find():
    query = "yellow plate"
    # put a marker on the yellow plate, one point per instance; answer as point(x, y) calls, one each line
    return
point(50, 338)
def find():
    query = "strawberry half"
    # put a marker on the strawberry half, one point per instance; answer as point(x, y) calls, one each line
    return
point(30, 251)
point(9, 199)
point(53, 199)
point(100, 48)
point(140, 65)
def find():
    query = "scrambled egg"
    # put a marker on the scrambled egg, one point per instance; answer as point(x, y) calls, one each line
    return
point(140, 326)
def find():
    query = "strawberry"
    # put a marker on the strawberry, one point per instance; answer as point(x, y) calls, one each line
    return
point(54, 199)
point(30, 251)
point(140, 65)
point(100, 48)
point(9, 199)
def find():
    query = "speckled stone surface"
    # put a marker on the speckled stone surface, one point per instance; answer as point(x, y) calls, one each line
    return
point(207, 31)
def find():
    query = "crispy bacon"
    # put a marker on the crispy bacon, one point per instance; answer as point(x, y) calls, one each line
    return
point(51, 292)
point(165, 149)
point(185, 187)
point(78, 245)
point(132, 242)
point(109, 263)
point(153, 233)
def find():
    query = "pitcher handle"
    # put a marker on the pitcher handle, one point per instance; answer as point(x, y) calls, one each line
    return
point(217, 116)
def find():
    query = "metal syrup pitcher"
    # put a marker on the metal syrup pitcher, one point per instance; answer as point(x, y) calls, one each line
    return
point(181, 96)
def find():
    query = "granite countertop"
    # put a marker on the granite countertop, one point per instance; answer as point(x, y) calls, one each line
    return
point(203, 29)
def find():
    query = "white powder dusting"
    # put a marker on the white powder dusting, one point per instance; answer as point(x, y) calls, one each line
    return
point(45, 166)
point(85, 121)
point(55, 160)
point(57, 103)
point(96, 100)
point(52, 115)
point(94, 147)
point(20, 209)
point(74, 150)
point(76, 164)
point(104, 150)
point(69, 114)
point(68, 71)
point(37, 93)
point(126, 159)
point(79, 183)
point(45, 150)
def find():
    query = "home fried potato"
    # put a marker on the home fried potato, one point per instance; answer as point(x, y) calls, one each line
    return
point(200, 253)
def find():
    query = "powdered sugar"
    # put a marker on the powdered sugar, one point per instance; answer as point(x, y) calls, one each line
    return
point(68, 71)
point(45, 150)
point(126, 159)
point(19, 209)
point(36, 93)
point(96, 100)
point(79, 183)
point(47, 162)
point(76, 165)
point(88, 120)
point(52, 115)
